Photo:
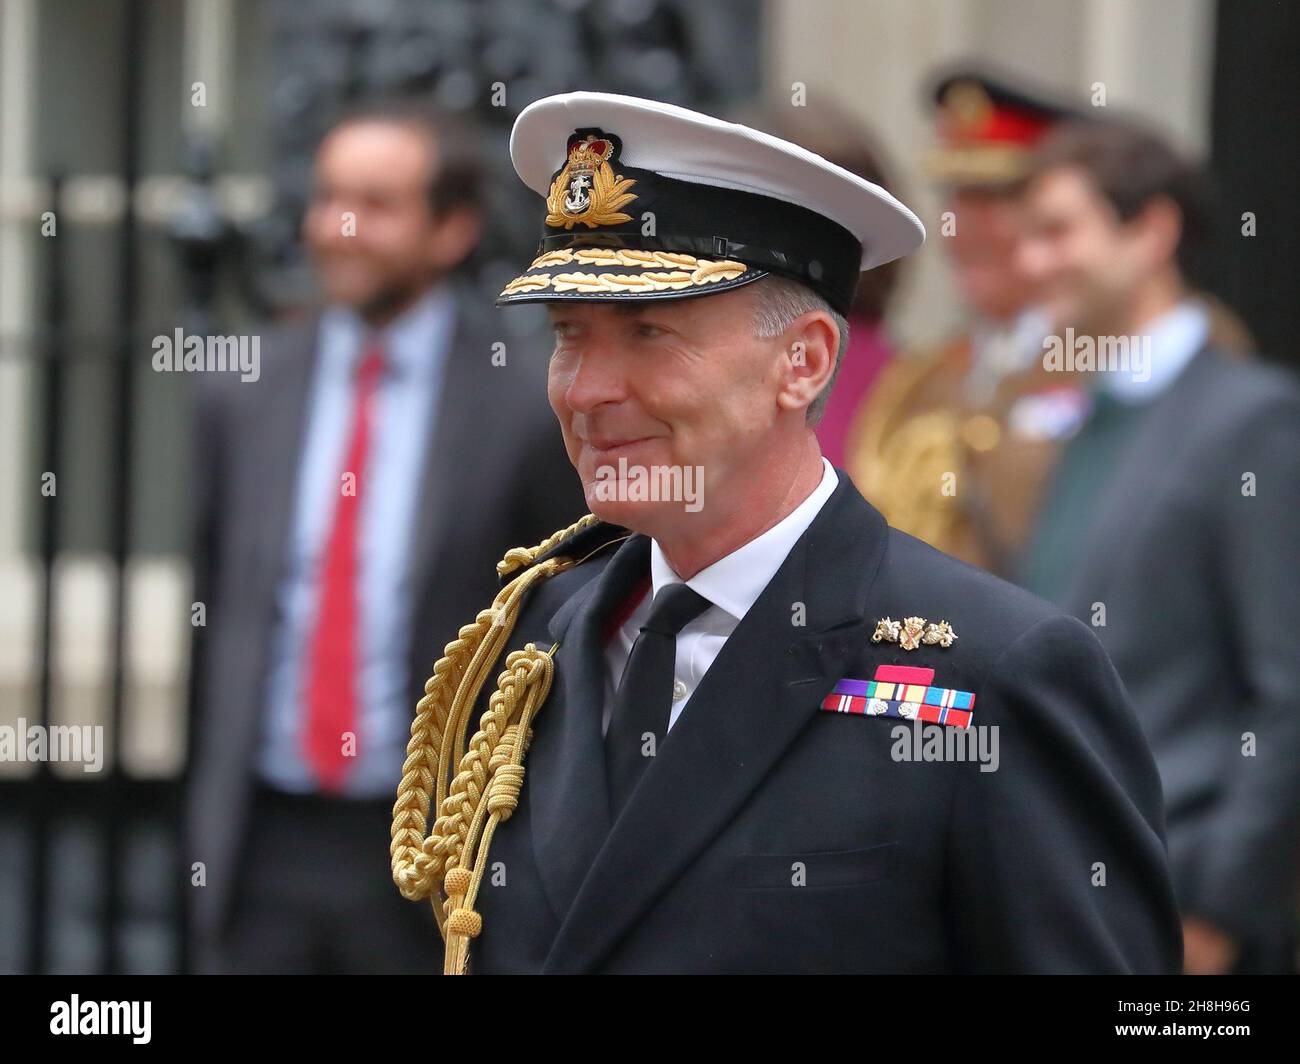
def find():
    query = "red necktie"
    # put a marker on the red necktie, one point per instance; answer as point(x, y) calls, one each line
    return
point(333, 653)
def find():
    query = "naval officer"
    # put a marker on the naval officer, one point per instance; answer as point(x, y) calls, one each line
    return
point(732, 721)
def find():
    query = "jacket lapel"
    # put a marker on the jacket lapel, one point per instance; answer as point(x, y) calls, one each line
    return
point(279, 422)
point(757, 696)
point(566, 760)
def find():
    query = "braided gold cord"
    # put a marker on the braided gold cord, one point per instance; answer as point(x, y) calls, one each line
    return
point(438, 736)
point(491, 796)
point(518, 557)
point(489, 773)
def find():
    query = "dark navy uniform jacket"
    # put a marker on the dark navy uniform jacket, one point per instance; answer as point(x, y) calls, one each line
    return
point(769, 835)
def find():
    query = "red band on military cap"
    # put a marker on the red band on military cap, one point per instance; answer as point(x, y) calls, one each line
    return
point(1010, 126)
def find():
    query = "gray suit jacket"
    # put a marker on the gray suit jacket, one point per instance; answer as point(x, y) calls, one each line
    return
point(1201, 587)
point(496, 476)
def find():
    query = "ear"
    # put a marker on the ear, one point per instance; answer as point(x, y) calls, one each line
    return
point(811, 343)
point(454, 237)
point(1158, 227)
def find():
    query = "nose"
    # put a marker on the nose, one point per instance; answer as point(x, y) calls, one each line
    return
point(596, 375)
point(331, 222)
point(1032, 258)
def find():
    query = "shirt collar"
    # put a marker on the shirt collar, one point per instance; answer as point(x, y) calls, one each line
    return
point(1010, 346)
point(1176, 336)
point(999, 349)
point(406, 340)
point(734, 582)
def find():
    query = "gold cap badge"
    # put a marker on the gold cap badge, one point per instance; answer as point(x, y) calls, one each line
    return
point(586, 189)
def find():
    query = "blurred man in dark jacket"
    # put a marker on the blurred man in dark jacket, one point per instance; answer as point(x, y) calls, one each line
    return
point(1172, 526)
point(352, 504)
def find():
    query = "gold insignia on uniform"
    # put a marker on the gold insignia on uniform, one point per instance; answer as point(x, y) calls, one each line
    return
point(586, 189)
point(911, 632)
point(909, 637)
point(968, 104)
point(886, 630)
point(981, 432)
point(940, 633)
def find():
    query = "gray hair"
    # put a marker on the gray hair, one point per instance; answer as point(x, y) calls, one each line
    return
point(777, 302)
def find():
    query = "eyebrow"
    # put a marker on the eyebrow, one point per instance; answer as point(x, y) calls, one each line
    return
point(625, 309)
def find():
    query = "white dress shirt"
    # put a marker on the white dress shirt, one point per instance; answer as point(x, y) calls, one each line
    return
point(417, 345)
point(732, 585)
point(1175, 337)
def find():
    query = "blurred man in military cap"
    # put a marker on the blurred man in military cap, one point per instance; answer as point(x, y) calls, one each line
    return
point(1172, 525)
point(954, 443)
point(740, 724)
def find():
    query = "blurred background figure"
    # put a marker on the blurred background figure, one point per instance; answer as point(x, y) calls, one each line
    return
point(829, 130)
point(955, 442)
point(353, 504)
point(1172, 524)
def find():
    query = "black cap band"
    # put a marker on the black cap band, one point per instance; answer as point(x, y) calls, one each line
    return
point(704, 220)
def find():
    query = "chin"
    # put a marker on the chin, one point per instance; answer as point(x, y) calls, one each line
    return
point(640, 516)
point(616, 511)
point(346, 284)
point(348, 296)
point(1063, 315)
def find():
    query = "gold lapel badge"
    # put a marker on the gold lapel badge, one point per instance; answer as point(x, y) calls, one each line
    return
point(911, 632)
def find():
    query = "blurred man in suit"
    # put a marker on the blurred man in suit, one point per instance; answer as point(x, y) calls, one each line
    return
point(1172, 525)
point(351, 504)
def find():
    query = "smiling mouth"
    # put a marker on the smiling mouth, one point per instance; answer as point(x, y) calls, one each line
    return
point(615, 447)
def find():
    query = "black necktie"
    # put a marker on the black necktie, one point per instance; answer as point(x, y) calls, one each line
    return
point(643, 702)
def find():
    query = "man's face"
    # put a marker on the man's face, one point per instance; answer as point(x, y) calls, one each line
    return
point(1088, 263)
point(680, 383)
point(369, 226)
point(982, 251)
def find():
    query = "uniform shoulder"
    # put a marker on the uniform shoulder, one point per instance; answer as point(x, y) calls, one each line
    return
point(987, 612)
point(919, 368)
point(952, 350)
point(921, 381)
point(576, 542)
point(563, 562)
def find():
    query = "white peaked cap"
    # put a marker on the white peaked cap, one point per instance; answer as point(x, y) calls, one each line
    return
point(701, 149)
